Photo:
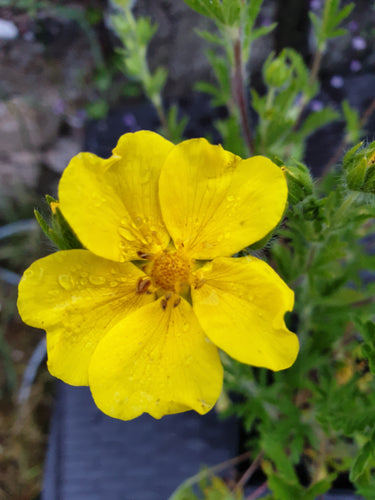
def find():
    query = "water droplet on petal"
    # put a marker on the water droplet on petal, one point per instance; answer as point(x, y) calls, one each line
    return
point(186, 327)
point(65, 281)
point(97, 280)
point(139, 221)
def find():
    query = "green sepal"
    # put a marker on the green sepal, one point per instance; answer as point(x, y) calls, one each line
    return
point(369, 183)
point(356, 176)
point(300, 183)
point(57, 229)
point(359, 163)
point(350, 155)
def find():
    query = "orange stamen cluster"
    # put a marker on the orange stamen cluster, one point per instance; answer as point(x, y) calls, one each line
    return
point(170, 271)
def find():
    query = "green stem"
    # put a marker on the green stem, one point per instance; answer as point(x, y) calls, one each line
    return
point(239, 96)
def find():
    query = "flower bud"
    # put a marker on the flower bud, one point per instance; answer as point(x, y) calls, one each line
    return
point(359, 164)
point(276, 72)
point(300, 183)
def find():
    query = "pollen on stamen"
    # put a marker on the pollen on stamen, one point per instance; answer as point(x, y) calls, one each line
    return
point(170, 271)
point(143, 285)
point(143, 255)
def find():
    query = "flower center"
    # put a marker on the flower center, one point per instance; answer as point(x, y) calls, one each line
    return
point(170, 271)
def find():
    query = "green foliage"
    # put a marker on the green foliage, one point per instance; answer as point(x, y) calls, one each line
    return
point(212, 489)
point(327, 27)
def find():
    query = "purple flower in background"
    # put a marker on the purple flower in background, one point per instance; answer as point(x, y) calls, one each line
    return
point(337, 82)
point(355, 65)
point(130, 121)
point(353, 26)
point(316, 105)
point(315, 4)
point(59, 107)
point(359, 43)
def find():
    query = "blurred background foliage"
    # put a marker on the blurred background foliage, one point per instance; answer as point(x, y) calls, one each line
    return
point(290, 80)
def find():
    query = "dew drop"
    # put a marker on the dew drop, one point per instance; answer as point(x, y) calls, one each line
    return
point(97, 280)
point(65, 281)
point(186, 327)
point(113, 284)
point(29, 273)
point(230, 197)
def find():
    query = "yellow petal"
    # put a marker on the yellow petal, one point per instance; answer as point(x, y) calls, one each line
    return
point(241, 304)
point(156, 361)
point(113, 204)
point(215, 203)
point(77, 297)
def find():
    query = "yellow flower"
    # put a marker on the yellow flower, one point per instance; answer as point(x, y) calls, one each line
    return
point(139, 314)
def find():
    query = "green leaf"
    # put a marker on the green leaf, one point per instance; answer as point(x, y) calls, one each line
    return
point(369, 353)
point(318, 119)
point(175, 124)
point(285, 490)
point(155, 83)
point(232, 11)
point(353, 122)
point(262, 31)
point(210, 37)
point(319, 488)
point(363, 460)
point(212, 9)
point(275, 452)
point(357, 422)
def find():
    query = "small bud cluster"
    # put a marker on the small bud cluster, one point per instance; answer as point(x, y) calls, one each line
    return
point(359, 165)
